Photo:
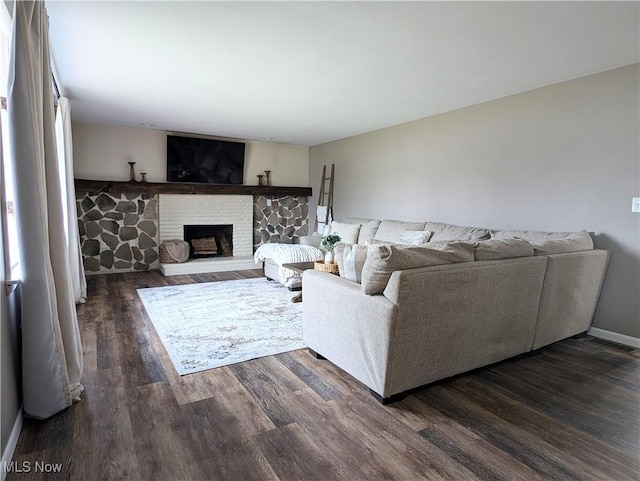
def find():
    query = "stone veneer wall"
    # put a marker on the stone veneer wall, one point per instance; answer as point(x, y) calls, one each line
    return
point(118, 232)
point(279, 219)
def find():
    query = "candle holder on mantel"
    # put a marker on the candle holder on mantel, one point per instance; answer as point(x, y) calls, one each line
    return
point(143, 176)
point(260, 181)
point(132, 171)
point(268, 175)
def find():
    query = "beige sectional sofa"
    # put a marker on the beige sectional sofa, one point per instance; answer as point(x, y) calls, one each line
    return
point(438, 310)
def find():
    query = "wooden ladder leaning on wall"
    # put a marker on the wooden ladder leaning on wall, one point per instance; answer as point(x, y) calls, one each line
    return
point(324, 210)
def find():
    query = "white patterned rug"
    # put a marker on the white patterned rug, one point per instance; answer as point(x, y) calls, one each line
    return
point(214, 324)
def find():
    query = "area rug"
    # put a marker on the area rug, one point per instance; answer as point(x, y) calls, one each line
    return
point(215, 324)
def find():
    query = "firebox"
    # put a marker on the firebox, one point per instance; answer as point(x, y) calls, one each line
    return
point(209, 240)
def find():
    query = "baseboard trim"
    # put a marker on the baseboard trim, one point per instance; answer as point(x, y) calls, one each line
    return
point(615, 337)
point(7, 455)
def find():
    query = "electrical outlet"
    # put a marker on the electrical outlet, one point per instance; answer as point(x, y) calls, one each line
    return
point(635, 206)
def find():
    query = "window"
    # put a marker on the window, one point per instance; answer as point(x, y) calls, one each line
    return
point(7, 203)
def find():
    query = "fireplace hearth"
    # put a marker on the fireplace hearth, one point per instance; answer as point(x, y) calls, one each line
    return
point(209, 240)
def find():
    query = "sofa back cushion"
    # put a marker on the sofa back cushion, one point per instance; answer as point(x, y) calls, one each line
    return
point(383, 259)
point(579, 241)
point(546, 243)
point(368, 228)
point(350, 259)
point(494, 249)
point(389, 230)
point(447, 232)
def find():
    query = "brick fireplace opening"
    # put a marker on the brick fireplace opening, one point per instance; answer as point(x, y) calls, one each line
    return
point(209, 240)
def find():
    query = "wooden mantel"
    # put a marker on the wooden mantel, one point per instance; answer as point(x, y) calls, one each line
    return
point(113, 187)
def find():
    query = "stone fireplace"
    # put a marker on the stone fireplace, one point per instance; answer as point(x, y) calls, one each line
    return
point(122, 224)
point(209, 240)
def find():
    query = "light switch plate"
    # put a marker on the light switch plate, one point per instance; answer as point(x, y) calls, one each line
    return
point(635, 206)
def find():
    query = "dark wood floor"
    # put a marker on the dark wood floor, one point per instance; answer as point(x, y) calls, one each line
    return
point(569, 413)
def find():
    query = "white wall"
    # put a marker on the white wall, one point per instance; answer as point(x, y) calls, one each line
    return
point(564, 157)
point(101, 153)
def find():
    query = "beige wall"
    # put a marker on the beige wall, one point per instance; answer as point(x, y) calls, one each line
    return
point(564, 157)
point(101, 153)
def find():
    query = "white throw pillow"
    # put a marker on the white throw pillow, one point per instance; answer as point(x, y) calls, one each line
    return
point(414, 237)
point(350, 259)
point(347, 232)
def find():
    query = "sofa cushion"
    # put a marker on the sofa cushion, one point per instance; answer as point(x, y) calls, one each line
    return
point(383, 259)
point(530, 235)
point(545, 243)
point(414, 237)
point(493, 249)
point(447, 232)
point(368, 228)
point(368, 231)
point(350, 259)
point(389, 230)
point(357, 220)
point(347, 232)
point(578, 241)
point(311, 240)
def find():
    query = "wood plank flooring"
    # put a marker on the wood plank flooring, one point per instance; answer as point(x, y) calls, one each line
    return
point(571, 412)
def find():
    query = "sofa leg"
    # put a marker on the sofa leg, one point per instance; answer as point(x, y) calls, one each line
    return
point(315, 354)
point(388, 400)
point(580, 335)
point(269, 279)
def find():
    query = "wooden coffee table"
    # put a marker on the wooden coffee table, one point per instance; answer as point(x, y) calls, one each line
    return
point(298, 267)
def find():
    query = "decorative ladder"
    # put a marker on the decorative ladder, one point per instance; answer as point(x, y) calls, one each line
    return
point(324, 210)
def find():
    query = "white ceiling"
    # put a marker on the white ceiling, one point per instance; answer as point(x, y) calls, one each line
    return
point(311, 72)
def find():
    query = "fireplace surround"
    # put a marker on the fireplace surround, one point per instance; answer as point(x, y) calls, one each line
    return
point(122, 223)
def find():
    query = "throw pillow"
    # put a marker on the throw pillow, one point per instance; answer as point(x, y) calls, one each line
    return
point(494, 249)
point(368, 231)
point(414, 237)
point(347, 232)
point(578, 241)
point(350, 259)
point(383, 260)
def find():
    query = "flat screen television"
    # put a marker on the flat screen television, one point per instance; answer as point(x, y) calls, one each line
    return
point(204, 161)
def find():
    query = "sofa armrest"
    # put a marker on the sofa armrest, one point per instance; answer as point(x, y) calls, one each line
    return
point(570, 295)
point(348, 327)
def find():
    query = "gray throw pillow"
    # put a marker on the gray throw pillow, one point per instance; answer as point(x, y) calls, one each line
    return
point(382, 260)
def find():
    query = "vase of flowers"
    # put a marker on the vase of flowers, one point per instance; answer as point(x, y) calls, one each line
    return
point(328, 243)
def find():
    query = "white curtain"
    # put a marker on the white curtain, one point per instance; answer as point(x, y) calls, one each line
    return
point(65, 161)
point(51, 349)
